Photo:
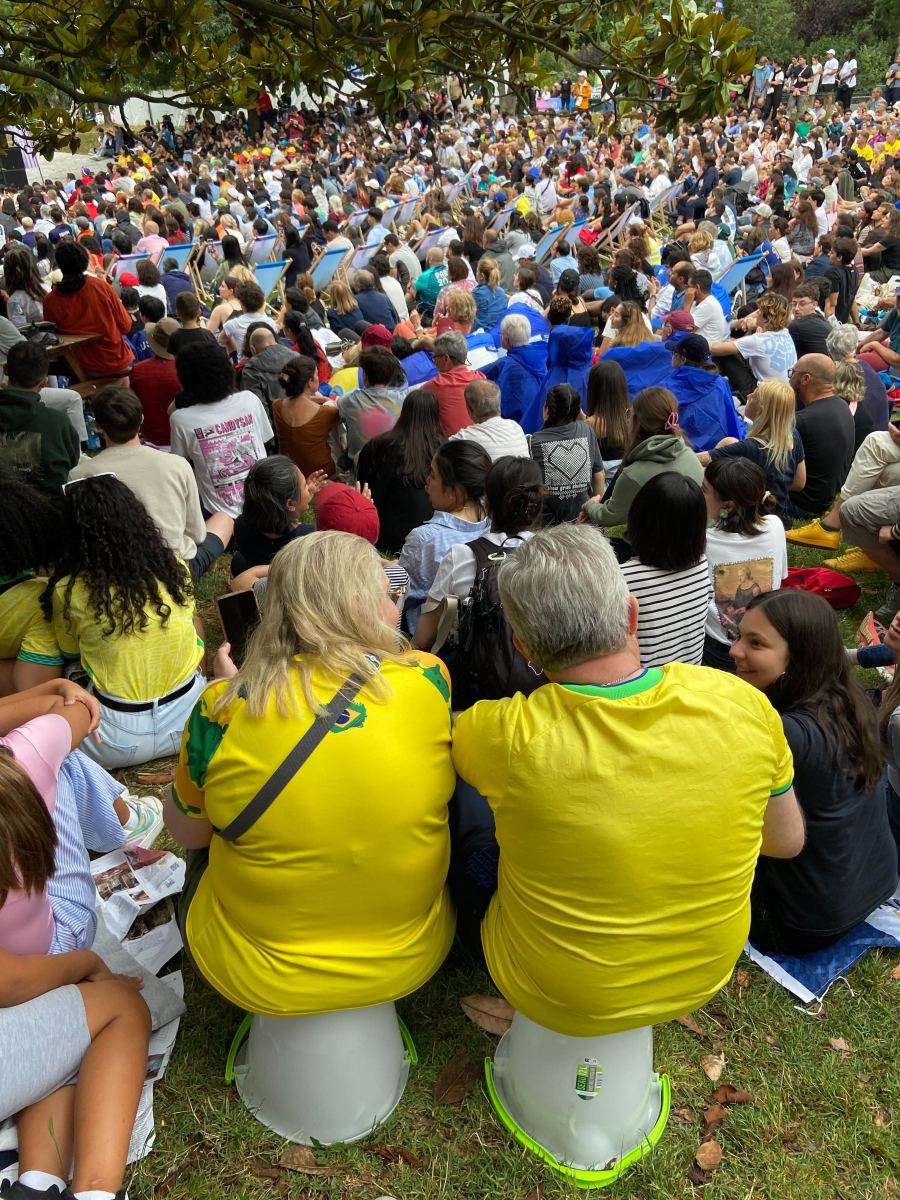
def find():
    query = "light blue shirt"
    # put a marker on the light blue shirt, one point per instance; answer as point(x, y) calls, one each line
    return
point(427, 544)
point(376, 235)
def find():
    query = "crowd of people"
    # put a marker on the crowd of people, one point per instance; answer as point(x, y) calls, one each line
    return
point(511, 499)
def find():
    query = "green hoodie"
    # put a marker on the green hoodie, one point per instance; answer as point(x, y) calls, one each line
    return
point(37, 444)
point(662, 452)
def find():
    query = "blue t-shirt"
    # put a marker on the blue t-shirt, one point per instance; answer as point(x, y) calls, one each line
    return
point(777, 482)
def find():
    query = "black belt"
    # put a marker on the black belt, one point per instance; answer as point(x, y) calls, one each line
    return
point(124, 706)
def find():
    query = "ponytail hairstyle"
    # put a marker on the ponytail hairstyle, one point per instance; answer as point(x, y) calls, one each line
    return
point(463, 466)
point(296, 374)
point(488, 272)
point(563, 405)
point(740, 483)
point(514, 493)
point(654, 412)
point(27, 835)
point(270, 485)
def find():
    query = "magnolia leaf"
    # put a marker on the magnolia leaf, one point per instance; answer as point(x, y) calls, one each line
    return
point(708, 1156)
point(493, 1014)
point(713, 1065)
point(457, 1079)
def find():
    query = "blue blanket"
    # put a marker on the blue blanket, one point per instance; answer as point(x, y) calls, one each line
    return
point(809, 976)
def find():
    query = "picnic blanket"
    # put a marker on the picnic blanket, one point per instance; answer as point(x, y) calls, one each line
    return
point(809, 976)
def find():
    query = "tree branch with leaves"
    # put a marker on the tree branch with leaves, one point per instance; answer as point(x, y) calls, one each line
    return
point(60, 56)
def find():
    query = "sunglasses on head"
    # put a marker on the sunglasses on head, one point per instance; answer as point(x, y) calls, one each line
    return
point(66, 487)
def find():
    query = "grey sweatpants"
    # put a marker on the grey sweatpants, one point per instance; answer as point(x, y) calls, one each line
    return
point(42, 1043)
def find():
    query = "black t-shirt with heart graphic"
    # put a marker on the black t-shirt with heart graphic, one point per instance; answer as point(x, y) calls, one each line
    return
point(568, 455)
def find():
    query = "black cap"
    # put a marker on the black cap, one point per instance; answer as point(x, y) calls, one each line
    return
point(693, 347)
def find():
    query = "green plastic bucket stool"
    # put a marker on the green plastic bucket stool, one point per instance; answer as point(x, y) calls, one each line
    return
point(332, 1077)
point(588, 1107)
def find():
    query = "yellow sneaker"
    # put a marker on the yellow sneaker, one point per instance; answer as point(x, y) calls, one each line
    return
point(854, 560)
point(814, 534)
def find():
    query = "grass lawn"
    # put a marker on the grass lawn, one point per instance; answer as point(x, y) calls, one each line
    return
point(824, 1125)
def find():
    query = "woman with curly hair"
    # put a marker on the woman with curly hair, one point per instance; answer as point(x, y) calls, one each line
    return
point(122, 603)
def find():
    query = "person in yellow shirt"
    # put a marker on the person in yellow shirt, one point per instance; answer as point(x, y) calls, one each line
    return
point(29, 654)
point(334, 897)
point(630, 806)
point(122, 605)
point(583, 92)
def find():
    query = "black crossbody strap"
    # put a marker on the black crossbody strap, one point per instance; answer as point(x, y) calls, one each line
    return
point(282, 776)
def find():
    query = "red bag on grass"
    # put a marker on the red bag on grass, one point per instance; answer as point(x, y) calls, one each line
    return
point(839, 590)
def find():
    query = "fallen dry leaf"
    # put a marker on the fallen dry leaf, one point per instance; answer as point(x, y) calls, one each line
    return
point(690, 1022)
point(684, 1115)
point(773, 1041)
point(534, 1194)
point(395, 1154)
point(147, 778)
point(713, 1118)
point(697, 1177)
point(895, 974)
point(742, 978)
point(493, 1014)
point(457, 1079)
point(302, 1160)
point(841, 1045)
point(727, 1093)
point(713, 1065)
point(708, 1156)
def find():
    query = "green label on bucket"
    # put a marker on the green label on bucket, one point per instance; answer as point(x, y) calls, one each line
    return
point(588, 1079)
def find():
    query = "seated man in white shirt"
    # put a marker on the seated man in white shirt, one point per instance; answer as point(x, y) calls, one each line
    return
point(709, 317)
point(495, 434)
point(164, 483)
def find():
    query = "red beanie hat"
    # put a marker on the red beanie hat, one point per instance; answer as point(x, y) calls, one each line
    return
point(343, 508)
point(376, 335)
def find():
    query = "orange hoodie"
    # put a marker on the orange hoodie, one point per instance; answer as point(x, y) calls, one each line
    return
point(95, 308)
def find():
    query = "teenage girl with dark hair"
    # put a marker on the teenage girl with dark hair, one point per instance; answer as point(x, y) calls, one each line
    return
point(276, 495)
point(396, 464)
point(514, 496)
point(568, 455)
point(745, 548)
point(455, 489)
point(790, 647)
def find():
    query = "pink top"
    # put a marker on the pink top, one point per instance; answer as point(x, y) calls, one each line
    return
point(39, 746)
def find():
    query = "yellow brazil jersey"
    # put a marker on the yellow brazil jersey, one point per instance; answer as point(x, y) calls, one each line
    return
point(24, 633)
point(629, 821)
point(142, 665)
point(335, 898)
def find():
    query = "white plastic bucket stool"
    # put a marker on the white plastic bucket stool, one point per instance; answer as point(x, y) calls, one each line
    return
point(332, 1077)
point(589, 1107)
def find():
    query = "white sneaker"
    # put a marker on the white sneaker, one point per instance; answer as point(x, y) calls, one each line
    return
point(146, 821)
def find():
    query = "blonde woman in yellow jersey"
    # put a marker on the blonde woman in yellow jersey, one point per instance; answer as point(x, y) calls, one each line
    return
point(122, 603)
point(335, 897)
point(29, 522)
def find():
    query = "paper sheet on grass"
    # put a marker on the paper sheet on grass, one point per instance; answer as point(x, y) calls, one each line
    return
point(137, 933)
point(130, 882)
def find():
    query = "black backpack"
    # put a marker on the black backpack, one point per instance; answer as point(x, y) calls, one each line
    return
point(485, 665)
